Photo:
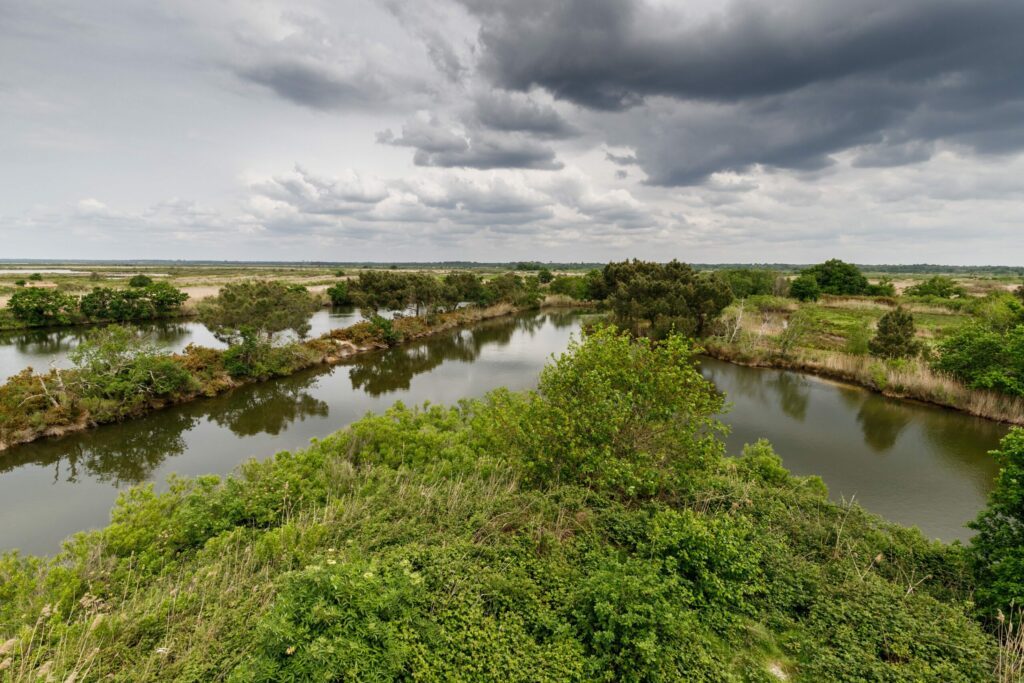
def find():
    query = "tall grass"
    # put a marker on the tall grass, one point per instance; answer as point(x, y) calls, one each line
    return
point(912, 379)
point(1010, 660)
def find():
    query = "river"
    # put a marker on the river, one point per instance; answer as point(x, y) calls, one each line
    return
point(911, 463)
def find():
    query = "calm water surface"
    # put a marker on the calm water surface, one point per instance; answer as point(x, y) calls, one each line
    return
point(911, 463)
point(915, 464)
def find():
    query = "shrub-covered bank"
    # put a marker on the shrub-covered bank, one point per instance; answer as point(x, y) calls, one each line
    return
point(121, 378)
point(905, 379)
point(591, 530)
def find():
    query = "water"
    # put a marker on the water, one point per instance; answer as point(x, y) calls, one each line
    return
point(39, 348)
point(914, 464)
point(911, 463)
point(54, 487)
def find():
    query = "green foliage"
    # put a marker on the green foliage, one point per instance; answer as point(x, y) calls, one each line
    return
point(884, 288)
point(445, 544)
point(545, 276)
point(858, 340)
point(19, 283)
point(997, 550)
point(510, 288)
point(657, 299)
point(795, 331)
point(340, 295)
point(837, 277)
point(140, 280)
point(385, 330)
point(940, 286)
point(143, 302)
point(573, 286)
point(38, 306)
point(805, 288)
point(35, 277)
point(895, 336)
point(119, 364)
point(462, 285)
point(745, 282)
point(984, 358)
point(1000, 311)
point(257, 308)
point(612, 414)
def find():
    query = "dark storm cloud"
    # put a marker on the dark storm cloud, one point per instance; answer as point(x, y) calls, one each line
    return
point(437, 145)
point(507, 111)
point(783, 84)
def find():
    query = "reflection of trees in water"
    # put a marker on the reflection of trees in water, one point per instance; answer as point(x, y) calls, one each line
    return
point(793, 393)
point(125, 453)
point(964, 442)
point(882, 421)
point(54, 341)
point(393, 370)
point(267, 407)
point(769, 388)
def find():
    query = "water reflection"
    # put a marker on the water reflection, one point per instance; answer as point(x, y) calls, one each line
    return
point(126, 455)
point(269, 407)
point(935, 473)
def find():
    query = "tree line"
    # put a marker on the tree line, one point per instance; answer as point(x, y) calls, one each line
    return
point(141, 300)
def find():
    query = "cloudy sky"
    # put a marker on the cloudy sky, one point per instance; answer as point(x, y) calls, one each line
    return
point(878, 131)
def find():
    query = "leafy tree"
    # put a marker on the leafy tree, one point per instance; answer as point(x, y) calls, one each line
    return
point(140, 280)
point(654, 299)
point(41, 306)
point(939, 285)
point(573, 286)
point(35, 277)
point(805, 288)
point(545, 276)
point(858, 342)
point(984, 358)
point(120, 364)
point(339, 294)
point(462, 285)
point(997, 551)
point(258, 309)
point(837, 277)
point(794, 331)
point(745, 282)
point(895, 336)
point(339, 273)
point(159, 299)
point(19, 283)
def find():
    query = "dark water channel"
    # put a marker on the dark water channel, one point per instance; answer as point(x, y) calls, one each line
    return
point(911, 463)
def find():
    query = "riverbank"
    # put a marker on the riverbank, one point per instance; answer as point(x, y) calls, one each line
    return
point(34, 406)
point(908, 379)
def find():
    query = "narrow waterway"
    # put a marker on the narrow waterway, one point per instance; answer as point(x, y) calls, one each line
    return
point(911, 463)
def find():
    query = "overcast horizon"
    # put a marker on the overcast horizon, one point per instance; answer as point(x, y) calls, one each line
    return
point(793, 131)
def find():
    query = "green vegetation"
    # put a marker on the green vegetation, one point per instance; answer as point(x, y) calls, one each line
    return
point(119, 376)
point(837, 277)
point(985, 358)
point(459, 544)
point(40, 307)
point(895, 337)
point(941, 286)
point(340, 295)
point(805, 288)
point(656, 300)
point(140, 280)
point(997, 551)
point(747, 282)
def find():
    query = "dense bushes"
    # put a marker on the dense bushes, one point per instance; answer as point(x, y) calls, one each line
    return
point(997, 551)
point(895, 336)
point(431, 545)
point(940, 286)
point(657, 299)
point(985, 358)
point(38, 306)
point(837, 277)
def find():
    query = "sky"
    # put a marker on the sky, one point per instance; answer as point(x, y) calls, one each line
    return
point(792, 131)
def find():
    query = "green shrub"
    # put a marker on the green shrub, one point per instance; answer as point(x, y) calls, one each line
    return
point(805, 288)
point(140, 280)
point(895, 336)
point(38, 306)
